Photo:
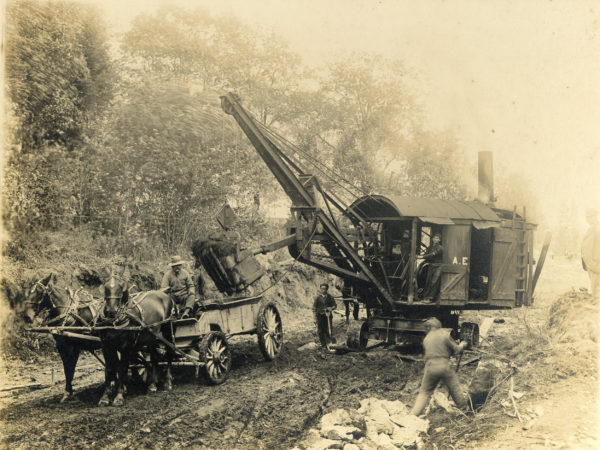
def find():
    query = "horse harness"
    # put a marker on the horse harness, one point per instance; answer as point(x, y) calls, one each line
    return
point(70, 308)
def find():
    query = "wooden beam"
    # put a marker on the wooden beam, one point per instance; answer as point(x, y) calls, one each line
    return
point(540, 262)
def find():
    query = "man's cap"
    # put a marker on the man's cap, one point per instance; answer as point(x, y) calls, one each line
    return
point(433, 322)
point(176, 261)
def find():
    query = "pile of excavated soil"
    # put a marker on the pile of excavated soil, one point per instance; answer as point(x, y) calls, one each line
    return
point(573, 327)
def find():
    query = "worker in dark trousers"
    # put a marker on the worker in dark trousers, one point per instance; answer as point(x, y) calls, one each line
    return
point(349, 300)
point(439, 346)
point(322, 308)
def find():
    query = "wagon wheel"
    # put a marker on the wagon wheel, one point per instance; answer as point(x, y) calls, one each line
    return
point(469, 332)
point(216, 356)
point(269, 330)
point(353, 335)
point(363, 337)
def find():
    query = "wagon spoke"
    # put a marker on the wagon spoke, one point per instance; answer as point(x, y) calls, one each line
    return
point(270, 320)
point(212, 370)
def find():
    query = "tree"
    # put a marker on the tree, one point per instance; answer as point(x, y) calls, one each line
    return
point(59, 79)
point(58, 71)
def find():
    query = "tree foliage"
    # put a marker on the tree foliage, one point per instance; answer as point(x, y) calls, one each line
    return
point(135, 141)
point(59, 78)
point(58, 71)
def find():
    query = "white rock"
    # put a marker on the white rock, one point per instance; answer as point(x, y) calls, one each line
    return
point(411, 421)
point(366, 444)
point(366, 404)
point(324, 444)
point(313, 436)
point(383, 441)
point(351, 447)
point(376, 416)
point(340, 433)
point(356, 419)
point(394, 407)
point(374, 427)
point(405, 436)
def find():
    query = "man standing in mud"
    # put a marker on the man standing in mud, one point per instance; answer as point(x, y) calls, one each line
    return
point(439, 346)
point(322, 307)
point(590, 251)
point(180, 286)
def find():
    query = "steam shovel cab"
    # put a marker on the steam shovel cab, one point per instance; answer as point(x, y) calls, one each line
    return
point(486, 262)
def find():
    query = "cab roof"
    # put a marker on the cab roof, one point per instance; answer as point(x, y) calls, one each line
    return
point(378, 207)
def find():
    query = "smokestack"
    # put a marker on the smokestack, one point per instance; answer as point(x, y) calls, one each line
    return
point(485, 192)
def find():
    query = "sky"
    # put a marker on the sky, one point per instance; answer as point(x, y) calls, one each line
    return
point(519, 78)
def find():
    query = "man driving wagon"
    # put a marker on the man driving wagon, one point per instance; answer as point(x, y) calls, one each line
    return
point(177, 281)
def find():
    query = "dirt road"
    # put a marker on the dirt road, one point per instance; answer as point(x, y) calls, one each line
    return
point(262, 405)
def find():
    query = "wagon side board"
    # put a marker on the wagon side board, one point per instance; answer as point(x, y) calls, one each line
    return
point(230, 316)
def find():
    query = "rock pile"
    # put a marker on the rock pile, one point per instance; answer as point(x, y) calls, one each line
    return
point(377, 424)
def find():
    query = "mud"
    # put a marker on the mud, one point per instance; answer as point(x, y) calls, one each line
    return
point(261, 405)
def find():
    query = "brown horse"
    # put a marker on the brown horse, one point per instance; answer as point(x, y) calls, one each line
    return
point(135, 324)
point(59, 306)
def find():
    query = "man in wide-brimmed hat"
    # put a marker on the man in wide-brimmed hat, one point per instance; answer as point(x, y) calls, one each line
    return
point(180, 285)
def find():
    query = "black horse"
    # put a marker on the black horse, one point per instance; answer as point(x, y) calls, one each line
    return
point(136, 323)
point(60, 306)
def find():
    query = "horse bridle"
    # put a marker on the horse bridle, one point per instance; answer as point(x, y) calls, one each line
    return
point(46, 288)
point(46, 292)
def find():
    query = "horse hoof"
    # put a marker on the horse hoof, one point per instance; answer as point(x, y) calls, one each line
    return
point(169, 387)
point(152, 388)
point(66, 396)
point(118, 401)
point(103, 402)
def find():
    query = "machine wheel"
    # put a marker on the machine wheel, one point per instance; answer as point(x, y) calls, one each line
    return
point(363, 337)
point(216, 356)
point(269, 330)
point(469, 332)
